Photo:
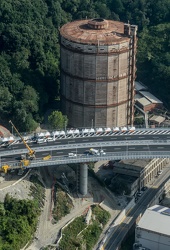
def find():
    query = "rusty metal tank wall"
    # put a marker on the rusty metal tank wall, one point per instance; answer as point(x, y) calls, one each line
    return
point(95, 75)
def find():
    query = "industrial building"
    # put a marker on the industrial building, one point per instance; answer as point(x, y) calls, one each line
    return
point(144, 99)
point(152, 231)
point(98, 70)
point(144, 170)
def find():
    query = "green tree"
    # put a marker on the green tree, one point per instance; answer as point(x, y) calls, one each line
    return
point(57, 120)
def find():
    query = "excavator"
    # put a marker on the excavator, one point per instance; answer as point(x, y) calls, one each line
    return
point(30, 154)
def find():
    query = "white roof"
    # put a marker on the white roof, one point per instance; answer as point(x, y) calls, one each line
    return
point(156, 219)
point(158, 119)
point(143, 101)
point(150, 97)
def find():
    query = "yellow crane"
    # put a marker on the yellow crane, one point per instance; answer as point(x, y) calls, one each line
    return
point(31, 152)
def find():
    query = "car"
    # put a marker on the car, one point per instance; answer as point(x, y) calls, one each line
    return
point(49, 139)
point(136, 199)
point(160, 172)
point(40, 140)
point(72, 155)
point(139, 193)
point(102, 152)
point(144, 188)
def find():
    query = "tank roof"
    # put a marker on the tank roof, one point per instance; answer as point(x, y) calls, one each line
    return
point(94, 31)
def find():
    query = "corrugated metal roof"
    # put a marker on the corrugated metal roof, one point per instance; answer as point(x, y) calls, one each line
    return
point(140, 86)
point(150, 97)
point(85, 31)
point(143, 101)
point(158, 119)
point(154, 220)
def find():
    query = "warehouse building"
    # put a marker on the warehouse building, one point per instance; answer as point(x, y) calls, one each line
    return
point(152, 231)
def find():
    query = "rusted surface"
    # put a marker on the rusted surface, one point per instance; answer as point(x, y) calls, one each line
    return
point(105, 32)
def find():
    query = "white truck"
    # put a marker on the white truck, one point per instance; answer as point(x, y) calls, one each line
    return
point(94, 151)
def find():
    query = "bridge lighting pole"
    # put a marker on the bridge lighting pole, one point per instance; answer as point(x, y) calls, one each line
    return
point(92, 123)
point(126, 147)
point(65, 126)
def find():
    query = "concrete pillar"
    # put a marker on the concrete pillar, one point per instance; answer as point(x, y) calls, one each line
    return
point(83, 178)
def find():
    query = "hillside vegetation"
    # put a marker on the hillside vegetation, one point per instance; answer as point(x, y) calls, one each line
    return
point(30, 53)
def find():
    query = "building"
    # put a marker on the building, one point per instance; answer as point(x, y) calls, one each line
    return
point(156, 120)
point(145, 100)
point(98, 59)
point(144, 170)
point(152, 231)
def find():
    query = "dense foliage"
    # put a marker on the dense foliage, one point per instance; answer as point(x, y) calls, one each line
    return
point(62, 204)
point(29, 50)
point(57, 120)
point(78, 235)
point(18, 219)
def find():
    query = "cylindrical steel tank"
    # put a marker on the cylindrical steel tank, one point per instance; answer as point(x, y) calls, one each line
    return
point(98, 72)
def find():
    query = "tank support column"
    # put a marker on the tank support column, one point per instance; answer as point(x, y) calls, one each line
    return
point(83, 178)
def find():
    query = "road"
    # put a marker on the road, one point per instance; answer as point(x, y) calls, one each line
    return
point(111, 144)
point(117, 235)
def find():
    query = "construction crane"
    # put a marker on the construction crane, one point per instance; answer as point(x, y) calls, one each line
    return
point(31, 153)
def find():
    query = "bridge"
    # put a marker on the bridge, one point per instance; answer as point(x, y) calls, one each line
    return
point(137, 144)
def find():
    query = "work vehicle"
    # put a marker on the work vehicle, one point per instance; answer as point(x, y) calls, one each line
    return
point(94, 151)
point(31, 153)
point(47, 157)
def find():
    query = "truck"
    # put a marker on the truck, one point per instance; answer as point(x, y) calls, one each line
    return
point(94, 151)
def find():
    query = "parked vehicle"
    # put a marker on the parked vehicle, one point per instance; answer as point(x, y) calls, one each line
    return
point(139, 193)
point(160, 172)
point(144, 188)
